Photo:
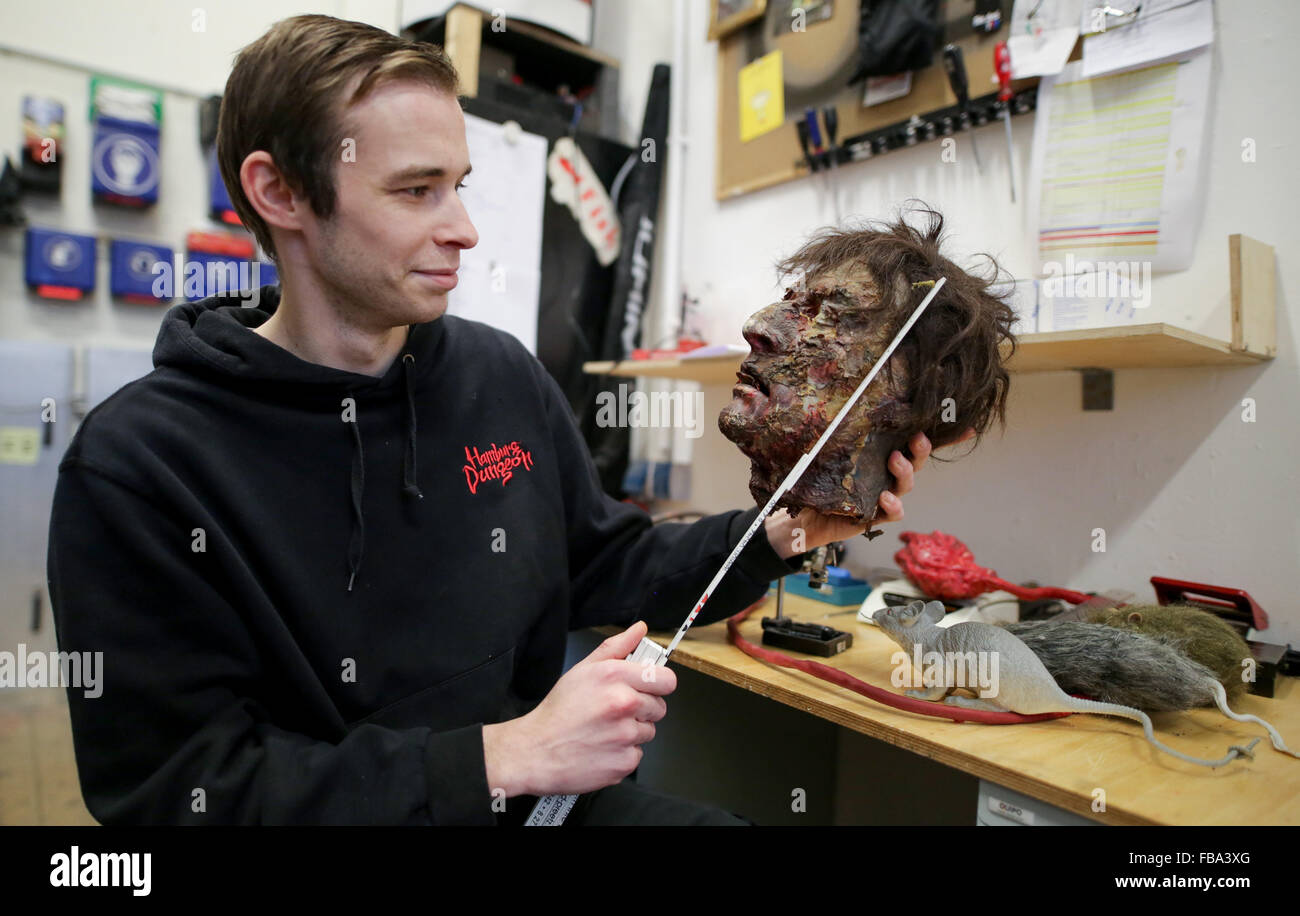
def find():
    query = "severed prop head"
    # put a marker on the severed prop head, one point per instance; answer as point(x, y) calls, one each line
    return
point(809, 352)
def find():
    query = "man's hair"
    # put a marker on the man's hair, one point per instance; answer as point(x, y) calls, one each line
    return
point(285, 96)
point(953, 350)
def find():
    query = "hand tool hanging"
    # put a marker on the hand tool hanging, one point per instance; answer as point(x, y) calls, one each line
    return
point(832, 119)
point(1002, 65)
point(955, 65)
point(810, 141)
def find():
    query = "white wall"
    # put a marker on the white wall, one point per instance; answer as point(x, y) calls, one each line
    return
point(1181, 485)
point(186, 45)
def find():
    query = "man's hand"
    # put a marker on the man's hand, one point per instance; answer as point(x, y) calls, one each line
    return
point(782, 530)
point(587, 733)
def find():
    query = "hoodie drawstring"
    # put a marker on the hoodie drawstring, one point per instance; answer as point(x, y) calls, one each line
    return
point(408, 462)
point(357, 542)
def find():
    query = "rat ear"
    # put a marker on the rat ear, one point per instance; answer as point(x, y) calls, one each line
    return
point(934, 611)
point(1135, 617)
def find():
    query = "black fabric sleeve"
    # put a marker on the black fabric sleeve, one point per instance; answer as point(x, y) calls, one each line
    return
point(185, 696)
point(624, 569)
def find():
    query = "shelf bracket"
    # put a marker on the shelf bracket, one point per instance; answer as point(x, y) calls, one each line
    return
point(1098, 388)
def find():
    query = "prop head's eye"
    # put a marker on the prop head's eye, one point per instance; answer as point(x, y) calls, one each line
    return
point(811, 306)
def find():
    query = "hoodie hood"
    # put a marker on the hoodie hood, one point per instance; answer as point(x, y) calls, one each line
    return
point(214, 339)
point(211, 338)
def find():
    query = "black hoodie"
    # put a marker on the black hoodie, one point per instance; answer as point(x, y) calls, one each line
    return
point(313, 587)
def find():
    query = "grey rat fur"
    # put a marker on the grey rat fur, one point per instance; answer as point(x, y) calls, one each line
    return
point(1116, 666)
point(1129, 668)
point(1024, 685)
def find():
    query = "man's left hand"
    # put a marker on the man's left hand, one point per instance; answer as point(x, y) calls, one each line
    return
point(783, 532)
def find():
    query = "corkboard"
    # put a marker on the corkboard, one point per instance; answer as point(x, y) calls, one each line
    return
point(775, 157)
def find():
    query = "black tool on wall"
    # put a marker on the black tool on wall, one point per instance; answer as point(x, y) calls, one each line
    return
point(896, 35)
point(955, 66)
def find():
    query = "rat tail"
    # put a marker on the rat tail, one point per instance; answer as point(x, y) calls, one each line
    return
point(1221, 697)
point(1137, 715)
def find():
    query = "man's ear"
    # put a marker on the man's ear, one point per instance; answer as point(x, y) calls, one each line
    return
point(269, 193)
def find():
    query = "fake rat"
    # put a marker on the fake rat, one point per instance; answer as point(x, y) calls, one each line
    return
point(1114, 665)
point(1023, 685)
point(1196, 633)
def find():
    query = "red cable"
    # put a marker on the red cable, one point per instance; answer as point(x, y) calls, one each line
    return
point(880, 695)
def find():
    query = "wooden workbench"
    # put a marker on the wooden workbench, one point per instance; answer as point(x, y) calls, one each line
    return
point(1061, 761)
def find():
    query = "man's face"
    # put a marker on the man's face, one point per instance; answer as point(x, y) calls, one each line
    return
point(808, 354)
point(398, 220)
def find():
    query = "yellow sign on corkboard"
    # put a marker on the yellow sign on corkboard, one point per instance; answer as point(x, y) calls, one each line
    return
point(762, 97)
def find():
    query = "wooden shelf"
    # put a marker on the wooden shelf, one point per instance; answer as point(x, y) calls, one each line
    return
point(1134, 346)
point(709, 370)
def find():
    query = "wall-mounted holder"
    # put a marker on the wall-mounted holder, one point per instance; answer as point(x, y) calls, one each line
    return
point(1098, 388)
point(933, 125)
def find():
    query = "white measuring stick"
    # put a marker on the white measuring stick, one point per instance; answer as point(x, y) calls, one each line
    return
point(551, 810)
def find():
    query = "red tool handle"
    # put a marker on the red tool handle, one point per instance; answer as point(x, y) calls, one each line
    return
point(1002, 65)
point(1210, 597)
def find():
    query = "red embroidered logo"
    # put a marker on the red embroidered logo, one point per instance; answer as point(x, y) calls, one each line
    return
point(495, 463)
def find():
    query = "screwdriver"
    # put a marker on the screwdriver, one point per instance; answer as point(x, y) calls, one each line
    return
point(1002, 65)
point(801, 127)
point(956, 67)
point(832, 118)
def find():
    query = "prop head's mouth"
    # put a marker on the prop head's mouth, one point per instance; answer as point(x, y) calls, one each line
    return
point(751, 396)
point(746, 377)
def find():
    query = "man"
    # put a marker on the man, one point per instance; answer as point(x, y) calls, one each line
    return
point(332, 546)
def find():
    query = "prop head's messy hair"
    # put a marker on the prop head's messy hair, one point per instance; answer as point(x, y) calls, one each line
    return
point(953, 349)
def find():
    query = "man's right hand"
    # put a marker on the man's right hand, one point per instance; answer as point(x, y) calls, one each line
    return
point(586, 734)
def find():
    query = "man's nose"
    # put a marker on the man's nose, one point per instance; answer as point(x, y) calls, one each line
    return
point(768, 330)
point(459, 230)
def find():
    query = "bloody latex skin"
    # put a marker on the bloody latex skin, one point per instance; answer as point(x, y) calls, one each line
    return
point(808, 354)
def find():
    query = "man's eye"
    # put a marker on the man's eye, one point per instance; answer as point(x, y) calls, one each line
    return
point(461, 185)
point(420, 189)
